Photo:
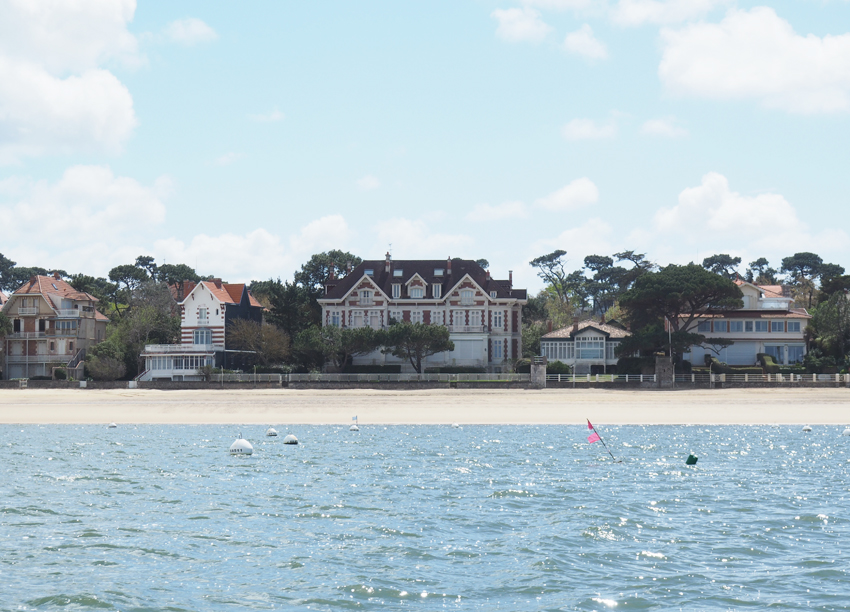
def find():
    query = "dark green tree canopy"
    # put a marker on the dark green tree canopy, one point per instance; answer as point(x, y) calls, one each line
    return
point(415, 341)
point(805, 265)
point(550, 268)
point(315, 273)
point(722, 264)
point(760, 272)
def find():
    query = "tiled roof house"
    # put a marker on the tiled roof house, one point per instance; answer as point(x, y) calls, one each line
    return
point(207, 308)
point(586, 346)
point(53, 326)
point(483, 314)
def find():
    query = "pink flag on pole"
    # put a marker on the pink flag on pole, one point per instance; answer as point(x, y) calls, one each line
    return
point(589, 426)
point(594, 437)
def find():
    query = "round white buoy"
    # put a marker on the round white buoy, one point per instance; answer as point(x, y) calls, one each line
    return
point(807, 428)
point(271, 432)
point(112, 426)
point(241, 447)
point(354, 428)
point(455, 425)
point(290, 439)
point(846, 432)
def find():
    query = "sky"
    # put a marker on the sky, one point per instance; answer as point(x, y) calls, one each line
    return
point(241, 138)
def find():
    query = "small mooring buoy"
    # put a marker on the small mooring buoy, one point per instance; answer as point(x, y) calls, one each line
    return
point(271, 432)
point(112, 426)
point(290, 439)
point(691, 460)
point(241, 447)
point(807, 428)
point(846, 432)
point(455, 425)
point(354, 428)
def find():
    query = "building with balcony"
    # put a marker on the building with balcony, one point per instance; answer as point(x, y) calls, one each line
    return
point(588, 347)
point(767, 323)
point(53, 325)
point(207, 309)
point(484, 315)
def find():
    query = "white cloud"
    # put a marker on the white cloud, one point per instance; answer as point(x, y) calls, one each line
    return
point(584, 43)
point(756, 54)
point(560, 5)
point(190, 31)
point(86, 218)
point(228, 158)
point(577, 194)
point(639, 12)
point(588, 129)
point(54, 95)
point(413, 239)
point(505, 210)
point(520, 24)
point(329, 232)
point(594, 236)
point(663, 127)
point(712, 217)
point(273, 116)
point(368, 183)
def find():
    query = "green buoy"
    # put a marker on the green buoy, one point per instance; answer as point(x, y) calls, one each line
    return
point(692, 460)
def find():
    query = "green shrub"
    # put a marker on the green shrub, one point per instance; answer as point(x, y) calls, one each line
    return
point(522, 366)
point(558, 367)
point(60, 374)
point(636, 365)
point(766, 361)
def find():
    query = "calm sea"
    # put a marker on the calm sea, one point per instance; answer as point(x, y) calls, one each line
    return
point(424, 517)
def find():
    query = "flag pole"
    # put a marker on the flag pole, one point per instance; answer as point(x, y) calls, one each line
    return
point(600, 439)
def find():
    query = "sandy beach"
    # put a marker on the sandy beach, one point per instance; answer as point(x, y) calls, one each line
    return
point(484, 406)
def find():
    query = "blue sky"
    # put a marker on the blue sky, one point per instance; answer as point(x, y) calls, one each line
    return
point(242, 139)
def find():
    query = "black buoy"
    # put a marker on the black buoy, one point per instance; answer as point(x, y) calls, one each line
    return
point(691, 460)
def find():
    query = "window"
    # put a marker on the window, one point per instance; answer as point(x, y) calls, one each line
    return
point(366, 297)
point(52, 346)
point(590, 347)
point(793, 326)
point(396, 291)
point(493, 294)
point(374, 319)
point(497, 350)
point(610, 347)
point(417, 293)
point(369, 272)
point(71, 347)
point(748, 326)
point(398, 272)
point(704, 326)
point(475, 318)
point(66, 328)
point(466, 296)
point(396, 316)
point(202, 336)
point(761, 326)
point(357, 319)
point(776, 352)
point(438, 271)
point(736, 326)
point(202, 315)
point(721, 327)
point(436, 317)
point(459, 318)
point(335, 318)
point(497, 319)
point(777, 326)
point(795, 353)
point(416, 316)
point(437, 291)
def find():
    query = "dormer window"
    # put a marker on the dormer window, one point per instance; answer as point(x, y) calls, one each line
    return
point(438, 271)
point(398, 272)
point(437, 291)
point(417, 293)
point(396, 291)
point(369, 272)
point(493, 294)
point(365, 297)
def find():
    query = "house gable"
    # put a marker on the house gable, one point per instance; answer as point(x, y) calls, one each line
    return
point(365, 282)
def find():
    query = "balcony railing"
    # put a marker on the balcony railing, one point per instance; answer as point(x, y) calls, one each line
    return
point(152, 349)
point(57, 359)
point(27, 311)
point(466, 329)
point(26, 335)
point(68, 313)
point(203, 322)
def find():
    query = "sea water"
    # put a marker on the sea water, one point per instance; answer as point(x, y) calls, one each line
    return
point(161, 517)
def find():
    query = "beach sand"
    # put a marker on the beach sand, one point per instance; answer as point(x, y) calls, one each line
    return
point(463, 406)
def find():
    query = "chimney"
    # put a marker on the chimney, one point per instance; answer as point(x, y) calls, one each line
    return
point(549, 325)
point(217, 282)
point(388, 263)
point(575, 324)
point(602, 319)
point(33, 279)
point(511, 279)
point(448, 265)
point(348, 267)
point(56, 276)
point(331, 273)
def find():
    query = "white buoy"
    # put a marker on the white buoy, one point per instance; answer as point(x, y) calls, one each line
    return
point(455, 425)
point(846, 432)
point(241, 447)
point(354, 428)
point(271, 432)
point(807, 428)
point(112, 426)
point(290, 439)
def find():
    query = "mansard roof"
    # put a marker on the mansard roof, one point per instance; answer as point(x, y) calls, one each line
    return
point(425, 268)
